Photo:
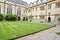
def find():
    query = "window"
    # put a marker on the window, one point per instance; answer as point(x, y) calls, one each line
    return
point(0, 9)
point(42, 8)
point(33, 9)
point(18, 11)
point(49, 6)
point(57, 5)
point(29, 10)
point(36, 16)
point(36, 9)
point(54, 0)
point(41, 17)
point(26, 11)
point(9, 10)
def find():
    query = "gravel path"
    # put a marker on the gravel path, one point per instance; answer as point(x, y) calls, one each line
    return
point(49, 34)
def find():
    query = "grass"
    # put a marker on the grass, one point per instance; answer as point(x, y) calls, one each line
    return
point(58, 33)
point(9, 30)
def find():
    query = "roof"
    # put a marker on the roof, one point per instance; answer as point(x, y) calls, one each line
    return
point(32, 4)
point(18, 2)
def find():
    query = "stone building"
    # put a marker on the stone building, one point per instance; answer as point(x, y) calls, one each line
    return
point(42, 11)
point(13, 7)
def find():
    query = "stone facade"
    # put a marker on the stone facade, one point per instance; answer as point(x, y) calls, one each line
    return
point(41, 11)
point(45, 12)
point(8, 6)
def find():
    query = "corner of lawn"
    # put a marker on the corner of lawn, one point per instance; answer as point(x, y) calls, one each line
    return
point(10, 30)
point(58, 33)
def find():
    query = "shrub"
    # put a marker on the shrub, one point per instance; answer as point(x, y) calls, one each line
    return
point(30, 16)
point(58, 33)
point(1, 17)
point(11, 17)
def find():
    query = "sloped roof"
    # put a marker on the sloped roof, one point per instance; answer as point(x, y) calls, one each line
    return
point(18, 2)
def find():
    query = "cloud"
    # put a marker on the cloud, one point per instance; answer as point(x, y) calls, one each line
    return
point(28, 1)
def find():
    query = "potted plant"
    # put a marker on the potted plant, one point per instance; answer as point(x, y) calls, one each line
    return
point(58, 20)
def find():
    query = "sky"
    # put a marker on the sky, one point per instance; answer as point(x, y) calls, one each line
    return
point(28, 1)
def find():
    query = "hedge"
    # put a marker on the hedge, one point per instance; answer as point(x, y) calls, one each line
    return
point(11, 17)
point(1, 17)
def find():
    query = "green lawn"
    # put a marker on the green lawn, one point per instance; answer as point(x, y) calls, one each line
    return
point(9, 30)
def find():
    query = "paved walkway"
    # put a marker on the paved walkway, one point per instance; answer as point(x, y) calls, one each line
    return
point(49, 34)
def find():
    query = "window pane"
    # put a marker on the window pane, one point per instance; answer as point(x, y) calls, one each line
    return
point(49, 6)
point(18, 12)
point(9, 10)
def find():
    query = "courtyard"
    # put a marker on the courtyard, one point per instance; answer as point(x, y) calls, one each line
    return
point(49, 34)
point(30, 20)
point(11, 30)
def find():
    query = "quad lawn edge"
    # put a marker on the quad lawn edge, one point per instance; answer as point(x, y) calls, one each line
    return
point(15, 30)
point(34, 32)
point(58, 33)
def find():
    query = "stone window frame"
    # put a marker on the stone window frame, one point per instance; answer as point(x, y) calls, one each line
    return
point(41, 16)
point(18, 11)
point(49, 6)
point(9, 10)
point(42, 8)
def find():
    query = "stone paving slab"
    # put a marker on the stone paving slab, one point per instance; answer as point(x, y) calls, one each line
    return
point(49, 34)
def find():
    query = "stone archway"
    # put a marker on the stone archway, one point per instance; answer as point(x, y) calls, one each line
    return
point(49, 19)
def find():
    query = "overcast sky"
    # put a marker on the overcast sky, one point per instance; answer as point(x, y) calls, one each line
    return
point(28, 1)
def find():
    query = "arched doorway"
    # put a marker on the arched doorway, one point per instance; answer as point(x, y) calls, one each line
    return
point(23, 18)
point(18, 18)
point(49, 19)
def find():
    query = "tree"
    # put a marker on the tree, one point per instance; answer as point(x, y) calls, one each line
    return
point(30, 17)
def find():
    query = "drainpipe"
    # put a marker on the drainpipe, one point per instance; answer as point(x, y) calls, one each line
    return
point(46, 13)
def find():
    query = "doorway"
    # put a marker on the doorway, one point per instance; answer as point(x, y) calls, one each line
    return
point(18, 18)
point(49, 19)
point(23, 18)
